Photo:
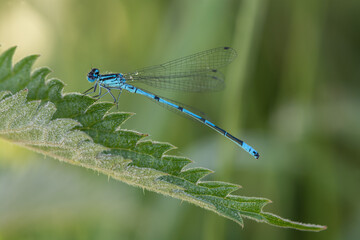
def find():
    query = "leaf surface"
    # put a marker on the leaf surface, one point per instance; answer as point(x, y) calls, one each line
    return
point(73, 128)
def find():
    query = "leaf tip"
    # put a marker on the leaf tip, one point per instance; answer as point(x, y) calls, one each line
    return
point(11, 50)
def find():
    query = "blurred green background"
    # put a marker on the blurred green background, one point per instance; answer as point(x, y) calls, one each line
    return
point(292, 93)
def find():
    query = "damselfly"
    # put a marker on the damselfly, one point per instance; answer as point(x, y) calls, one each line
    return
point(194, 73)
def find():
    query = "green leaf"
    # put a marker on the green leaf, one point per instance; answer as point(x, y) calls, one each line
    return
point(75, 129)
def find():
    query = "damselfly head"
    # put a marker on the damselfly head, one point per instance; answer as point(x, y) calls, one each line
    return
point(93, 75)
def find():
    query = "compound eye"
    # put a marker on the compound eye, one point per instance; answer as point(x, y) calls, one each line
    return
point(93, 75)
point(96, 71)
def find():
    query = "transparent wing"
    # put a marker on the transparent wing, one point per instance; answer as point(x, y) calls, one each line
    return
point(194, 73)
